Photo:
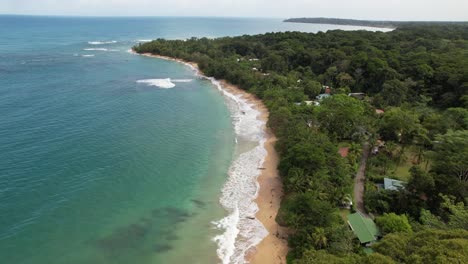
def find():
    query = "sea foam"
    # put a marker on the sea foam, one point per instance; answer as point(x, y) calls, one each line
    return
point(161, 83)
point(96, 49)
point(101, 42)
point(99, 49)
point(182, 80)
point(242, 230)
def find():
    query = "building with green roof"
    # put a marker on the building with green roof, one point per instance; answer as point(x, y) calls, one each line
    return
point(364, 228)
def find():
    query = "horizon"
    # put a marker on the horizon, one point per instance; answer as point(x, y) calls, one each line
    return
point(227, 17)
point(417, 10)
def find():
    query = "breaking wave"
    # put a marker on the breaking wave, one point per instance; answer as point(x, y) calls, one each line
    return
point(99, 49)
point(242, 231)
point(161, 83)
point(101, 42)
point(182, 80)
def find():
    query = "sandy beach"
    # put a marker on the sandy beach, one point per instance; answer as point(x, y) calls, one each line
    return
point(273, 248)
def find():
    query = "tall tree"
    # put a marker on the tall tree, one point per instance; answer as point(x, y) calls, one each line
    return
point(450, 162)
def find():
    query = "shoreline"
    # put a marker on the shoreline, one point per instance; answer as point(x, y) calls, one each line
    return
point(273, 247)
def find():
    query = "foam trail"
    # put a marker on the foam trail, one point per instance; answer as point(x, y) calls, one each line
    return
point(161, 83)
point(87, 55)
point(227, 240)
point(182, 80)
point(96, 49)
point(241, 188)
point(101, 42)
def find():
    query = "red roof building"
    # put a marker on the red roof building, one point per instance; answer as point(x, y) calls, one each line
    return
point(344, 152)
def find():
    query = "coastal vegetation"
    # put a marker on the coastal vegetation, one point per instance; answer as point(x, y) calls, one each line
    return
point(404, 93)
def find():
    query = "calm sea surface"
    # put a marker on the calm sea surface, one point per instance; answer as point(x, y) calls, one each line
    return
point(96, 167)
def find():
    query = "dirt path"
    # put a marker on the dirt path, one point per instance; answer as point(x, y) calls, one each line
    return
point(360, 179)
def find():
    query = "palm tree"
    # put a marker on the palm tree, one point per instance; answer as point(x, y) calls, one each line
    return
point(319, 238)
point(354, 152)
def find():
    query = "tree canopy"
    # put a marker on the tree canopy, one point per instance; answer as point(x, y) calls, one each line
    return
point(412, 87)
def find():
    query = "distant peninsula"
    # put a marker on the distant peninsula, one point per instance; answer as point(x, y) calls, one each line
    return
point(371, 23)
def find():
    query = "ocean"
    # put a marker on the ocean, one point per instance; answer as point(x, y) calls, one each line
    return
point(111, 157)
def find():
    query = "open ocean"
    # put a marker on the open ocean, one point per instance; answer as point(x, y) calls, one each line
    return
point(104, 160)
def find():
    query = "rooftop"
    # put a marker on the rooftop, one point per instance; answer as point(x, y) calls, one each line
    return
point(392, 184)
point(364, 228)
point(322, 96)
point(344, 151)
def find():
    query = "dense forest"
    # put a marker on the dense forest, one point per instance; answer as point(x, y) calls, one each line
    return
point(411, 109)
point(371, 23)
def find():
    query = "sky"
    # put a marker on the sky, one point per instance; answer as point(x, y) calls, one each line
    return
point(412, 10)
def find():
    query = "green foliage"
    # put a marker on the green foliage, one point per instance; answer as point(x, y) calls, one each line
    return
point(313, 256)
point(311, 88)
point(417, 74)
point(428, 246)
point(310, 218)
point(421, 182)
point(458, 213)
point(392, 223)
point(450, 162)
point(431, 221)
point(343, 117)
point(393, 245)
point(399, 125)
point(306, 212)
point(396, 66)
point(394, 93)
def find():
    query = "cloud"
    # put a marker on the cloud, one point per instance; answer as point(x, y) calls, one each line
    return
point(360, 9)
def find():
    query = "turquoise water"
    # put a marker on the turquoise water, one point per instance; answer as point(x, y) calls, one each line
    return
point(97, 168)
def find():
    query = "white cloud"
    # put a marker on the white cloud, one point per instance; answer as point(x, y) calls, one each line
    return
point(360, 9)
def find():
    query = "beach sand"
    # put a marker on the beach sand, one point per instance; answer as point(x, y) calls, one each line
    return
point(273, 248)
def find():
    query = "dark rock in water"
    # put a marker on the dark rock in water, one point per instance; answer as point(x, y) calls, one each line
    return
point(171, 211)
point(171, 237)
point(162, 248)
point(156, 212)
point(198, 203)
point(171, 214)
point(124, 238)
point(145, 221)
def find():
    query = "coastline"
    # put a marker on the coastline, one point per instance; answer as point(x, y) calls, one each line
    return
point(272, 247)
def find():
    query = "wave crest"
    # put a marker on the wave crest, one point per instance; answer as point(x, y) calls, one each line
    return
point(161, 83)
point(99, 49)
point(182, 80)
point(101, 42)
point(241, 189)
